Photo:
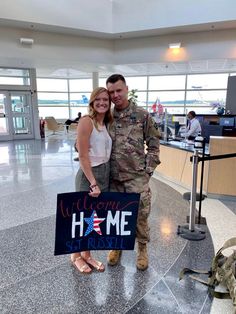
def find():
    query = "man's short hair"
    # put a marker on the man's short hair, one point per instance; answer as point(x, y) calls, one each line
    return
point(193, 113)
point(114, 78)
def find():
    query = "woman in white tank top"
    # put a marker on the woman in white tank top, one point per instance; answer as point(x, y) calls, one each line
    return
point(94, 147)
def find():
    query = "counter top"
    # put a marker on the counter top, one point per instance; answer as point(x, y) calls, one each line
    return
point(187, 146)
point(218, 176)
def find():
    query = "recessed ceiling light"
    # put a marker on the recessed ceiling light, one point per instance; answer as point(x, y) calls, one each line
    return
point(26, 41)
point(174, 45)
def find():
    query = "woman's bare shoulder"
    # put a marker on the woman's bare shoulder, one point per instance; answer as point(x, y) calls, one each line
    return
point(85, 123)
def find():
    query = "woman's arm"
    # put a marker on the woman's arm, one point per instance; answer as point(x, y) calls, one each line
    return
point(84, 130)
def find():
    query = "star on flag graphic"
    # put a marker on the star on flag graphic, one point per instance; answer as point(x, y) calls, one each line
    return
point(93, 224)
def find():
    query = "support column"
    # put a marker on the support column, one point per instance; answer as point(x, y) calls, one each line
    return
point(95, 79)
point(34, 98)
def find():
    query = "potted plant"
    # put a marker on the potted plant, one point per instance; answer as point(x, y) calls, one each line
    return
point(132, 96)
point(219, 107)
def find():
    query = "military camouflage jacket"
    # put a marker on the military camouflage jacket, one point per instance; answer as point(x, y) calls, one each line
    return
point(133, 127)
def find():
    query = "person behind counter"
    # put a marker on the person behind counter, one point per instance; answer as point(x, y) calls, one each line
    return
point(194, 127)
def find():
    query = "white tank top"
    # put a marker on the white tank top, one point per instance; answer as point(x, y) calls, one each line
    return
point(100, 146)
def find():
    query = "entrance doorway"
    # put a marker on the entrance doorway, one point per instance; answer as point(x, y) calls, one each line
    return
point(16, 117)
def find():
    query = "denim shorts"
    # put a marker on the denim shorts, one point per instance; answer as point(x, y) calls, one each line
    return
point(101, 174)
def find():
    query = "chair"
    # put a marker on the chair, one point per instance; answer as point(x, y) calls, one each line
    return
point(53, 125)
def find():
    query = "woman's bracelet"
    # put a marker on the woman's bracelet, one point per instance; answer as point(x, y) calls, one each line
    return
point(93, 186)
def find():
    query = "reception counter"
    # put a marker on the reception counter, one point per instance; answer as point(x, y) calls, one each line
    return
point(219, 175)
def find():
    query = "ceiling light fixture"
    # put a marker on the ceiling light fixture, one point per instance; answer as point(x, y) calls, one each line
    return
point(174, 45)
point(26, 41)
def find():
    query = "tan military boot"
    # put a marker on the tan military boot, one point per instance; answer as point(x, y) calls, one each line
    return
point(142, 258)
point(113, 257)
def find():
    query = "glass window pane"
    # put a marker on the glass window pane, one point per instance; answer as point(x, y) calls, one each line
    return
point(139, 83)
point(171, 110)
point(201, 110)
point(3, 126)
point(167, 82)
point(204, 98)
point(175, 110)
point(142, 98)
point(102, 82)
point(20, 104)
point(81, 85)
point(207, 81)
point(167, 98)
point(74, 111)
point(14, 72)
point(14, 80)
point(58, 85)
point(79, 99)
point(22, 125)
point(56, 112)
point(53, 99)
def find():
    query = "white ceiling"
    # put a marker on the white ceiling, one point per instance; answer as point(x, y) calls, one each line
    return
point(83, 69)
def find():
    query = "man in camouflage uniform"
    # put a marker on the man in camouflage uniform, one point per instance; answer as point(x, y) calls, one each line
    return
point(132, 164)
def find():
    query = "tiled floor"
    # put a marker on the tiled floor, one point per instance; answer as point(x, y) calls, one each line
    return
point(33, 280)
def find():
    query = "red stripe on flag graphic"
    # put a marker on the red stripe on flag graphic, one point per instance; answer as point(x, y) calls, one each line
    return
point(96, 222)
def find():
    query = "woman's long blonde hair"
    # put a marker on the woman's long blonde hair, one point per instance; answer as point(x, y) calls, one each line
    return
point(108, 119)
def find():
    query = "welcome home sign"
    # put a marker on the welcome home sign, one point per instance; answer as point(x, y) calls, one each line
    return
point(87, 223)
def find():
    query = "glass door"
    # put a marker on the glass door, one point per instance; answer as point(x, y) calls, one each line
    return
point(21, 113)
point(15, 116)
point(4, 115)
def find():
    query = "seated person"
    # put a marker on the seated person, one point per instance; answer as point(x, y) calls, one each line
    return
point(194, 127)
point(69, 121)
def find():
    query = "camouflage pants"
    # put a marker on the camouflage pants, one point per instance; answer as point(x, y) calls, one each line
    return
point(141, 186)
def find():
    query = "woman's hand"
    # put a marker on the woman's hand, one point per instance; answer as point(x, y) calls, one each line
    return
point(94, 190)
